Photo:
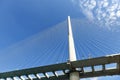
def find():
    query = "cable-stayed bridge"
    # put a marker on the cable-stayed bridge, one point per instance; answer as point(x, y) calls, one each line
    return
point(72, 70)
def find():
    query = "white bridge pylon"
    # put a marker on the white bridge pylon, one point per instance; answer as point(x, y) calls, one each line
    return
point(72, 52)
point(74, 75)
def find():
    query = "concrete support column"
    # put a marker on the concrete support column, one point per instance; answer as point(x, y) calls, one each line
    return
point(74, 76)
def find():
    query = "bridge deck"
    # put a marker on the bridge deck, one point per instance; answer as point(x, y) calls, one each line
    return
point(88, 68)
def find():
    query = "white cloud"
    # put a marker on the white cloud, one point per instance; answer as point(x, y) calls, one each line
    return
point(87, 7)
point(103, 12)
point(118, 13)
point(105, 4)
point(112, 14)
point(100, 4)
point(104, 15)
point(113, 7)
point(92, 4)
point(89, 14)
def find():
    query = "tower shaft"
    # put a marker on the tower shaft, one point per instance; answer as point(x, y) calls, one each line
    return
point(72, 54)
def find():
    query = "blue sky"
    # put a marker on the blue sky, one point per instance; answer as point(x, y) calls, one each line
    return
point(26, 17)
point(30, 28)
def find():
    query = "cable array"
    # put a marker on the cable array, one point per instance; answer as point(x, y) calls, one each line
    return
point(51, 45)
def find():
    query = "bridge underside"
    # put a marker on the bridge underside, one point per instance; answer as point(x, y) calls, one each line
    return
point(102, 66)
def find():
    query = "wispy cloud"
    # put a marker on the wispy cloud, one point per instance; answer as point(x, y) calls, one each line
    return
point(89, 14)
point(103, 12)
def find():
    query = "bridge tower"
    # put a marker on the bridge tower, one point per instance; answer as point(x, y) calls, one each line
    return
point(74, 75)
